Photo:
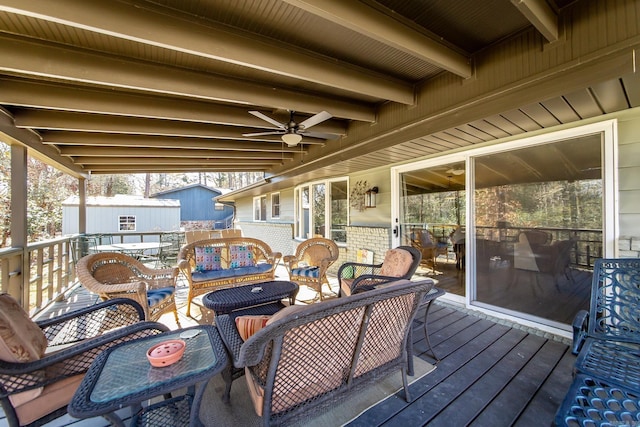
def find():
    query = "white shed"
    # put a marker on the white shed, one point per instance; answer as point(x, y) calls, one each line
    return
point(122, 213)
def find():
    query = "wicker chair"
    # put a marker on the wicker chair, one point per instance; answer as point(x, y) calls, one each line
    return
point(309, 357)
point(428, 246)
point(310, 263)
point(42, 363)
point(399, 263)
point(114, 275)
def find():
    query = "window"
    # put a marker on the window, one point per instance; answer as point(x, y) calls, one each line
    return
point(127, 223)
point(321, 210)
point(275, 205)
point(260, 208)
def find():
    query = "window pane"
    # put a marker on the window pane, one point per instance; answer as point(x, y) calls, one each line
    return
point(275, 205)
point(304, 216)
point(319, 200)
point(538, 218)
point(432, 216)
point(263, 208)
point(339, 204)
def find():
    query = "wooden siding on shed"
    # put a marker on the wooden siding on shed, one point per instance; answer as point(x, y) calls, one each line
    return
point(197, 204)
point(104, 219)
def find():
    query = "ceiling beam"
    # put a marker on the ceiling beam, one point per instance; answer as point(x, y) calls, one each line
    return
point(79, 67)
point(365, 20)
point(138, 153)
point(56, 97)
point(63, 138)
point(134, 163)
point(166, 30)
point(540, 14)
point(9, 134)
point(94, 123)
point(119, 169)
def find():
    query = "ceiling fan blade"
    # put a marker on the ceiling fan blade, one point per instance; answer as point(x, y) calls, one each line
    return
point(263, 133)
point(314, 120)
point(320, 135)
point(268, 119)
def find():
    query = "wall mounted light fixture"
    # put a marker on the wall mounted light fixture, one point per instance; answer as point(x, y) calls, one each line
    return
point(370, 197)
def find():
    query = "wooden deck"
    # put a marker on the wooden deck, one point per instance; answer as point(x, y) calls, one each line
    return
point(491, 374)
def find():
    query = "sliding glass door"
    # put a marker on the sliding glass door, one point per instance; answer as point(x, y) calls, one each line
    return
point(514, 228)
point(538, 227)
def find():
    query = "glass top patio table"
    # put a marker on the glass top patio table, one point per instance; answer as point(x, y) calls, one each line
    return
point(122, 375)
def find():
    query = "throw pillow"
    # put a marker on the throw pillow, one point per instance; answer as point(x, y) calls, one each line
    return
point(21, 340)
point(348, 272)
point(249, 325)
point(241, 256)
point(208, 258)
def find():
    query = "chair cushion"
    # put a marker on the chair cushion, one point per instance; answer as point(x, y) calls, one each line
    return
point(306, 272)
point(208, 258)
point(21, 340)
point(241, 256)
point(249, 325)
point(345, 286)
point(156, 296)
point(203, 276)
point(53, 397)
point(396, 263)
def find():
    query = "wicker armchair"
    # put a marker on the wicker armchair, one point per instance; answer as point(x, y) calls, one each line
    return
point(399, 263)
point(310, 263)
point(38, 380)
point(114, 275)
point(429, 246)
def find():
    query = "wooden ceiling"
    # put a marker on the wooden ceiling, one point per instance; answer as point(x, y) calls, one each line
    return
point(136, 86)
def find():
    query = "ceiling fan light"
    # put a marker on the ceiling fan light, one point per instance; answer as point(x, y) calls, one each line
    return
point(291, 139)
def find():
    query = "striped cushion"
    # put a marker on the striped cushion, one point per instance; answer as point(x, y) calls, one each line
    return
point(249, 325)
point(156, 296)
point(306, 272)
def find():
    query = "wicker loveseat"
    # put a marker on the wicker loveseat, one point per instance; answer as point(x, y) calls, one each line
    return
point(309, 357)
point(225, 262)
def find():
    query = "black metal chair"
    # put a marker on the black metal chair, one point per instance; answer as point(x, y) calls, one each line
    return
point(42, 363)
point(356, 277)
point(607, 341)
point(170, 244)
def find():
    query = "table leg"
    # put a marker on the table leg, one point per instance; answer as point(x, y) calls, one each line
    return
point(426, 301)
point(113, 419)
point(426, 332)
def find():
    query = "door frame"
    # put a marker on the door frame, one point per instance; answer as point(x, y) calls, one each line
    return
point(610, 219)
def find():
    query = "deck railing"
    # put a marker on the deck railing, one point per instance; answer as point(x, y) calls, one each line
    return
point(47, 270)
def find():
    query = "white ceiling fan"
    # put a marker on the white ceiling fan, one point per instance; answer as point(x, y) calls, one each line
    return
point(292, 132)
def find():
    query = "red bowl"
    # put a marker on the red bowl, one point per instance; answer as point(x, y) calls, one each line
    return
point(166, 353)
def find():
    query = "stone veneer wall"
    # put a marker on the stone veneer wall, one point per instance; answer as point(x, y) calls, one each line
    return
point(629, 247)
point(376, 239)
point(197, 225)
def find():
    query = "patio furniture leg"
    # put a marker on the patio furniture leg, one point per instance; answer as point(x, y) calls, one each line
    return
point(227, 376)
point(427, 300)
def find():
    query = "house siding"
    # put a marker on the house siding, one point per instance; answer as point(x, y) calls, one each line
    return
point(629, 186)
